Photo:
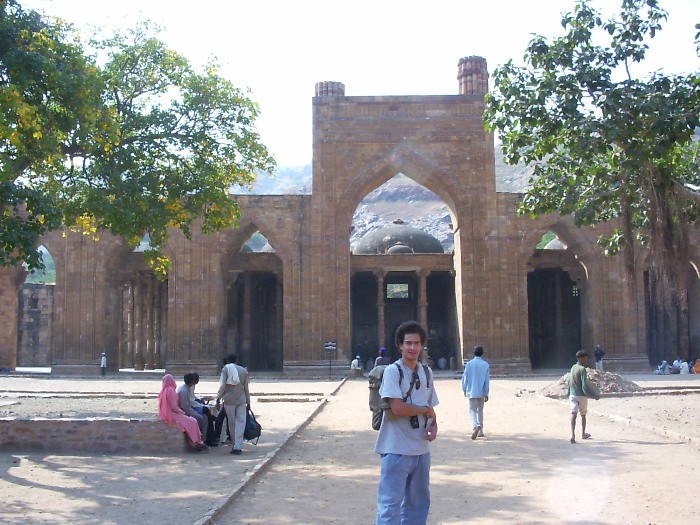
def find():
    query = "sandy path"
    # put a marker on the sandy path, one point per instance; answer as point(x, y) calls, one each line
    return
point(525, 471)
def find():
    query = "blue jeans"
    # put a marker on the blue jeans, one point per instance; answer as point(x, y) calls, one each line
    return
point(403, 496)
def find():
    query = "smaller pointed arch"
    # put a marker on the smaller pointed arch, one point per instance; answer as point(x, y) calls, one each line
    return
point(48, 274)
point(257, 243)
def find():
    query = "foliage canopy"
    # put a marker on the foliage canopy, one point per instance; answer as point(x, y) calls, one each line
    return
point(135, 143)
point(605, 146)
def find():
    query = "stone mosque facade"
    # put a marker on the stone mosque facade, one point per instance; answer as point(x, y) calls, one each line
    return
point(276, 304)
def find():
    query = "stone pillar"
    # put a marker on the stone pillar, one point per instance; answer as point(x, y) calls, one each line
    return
point(423, 298)
point(138, 322)
point(473, 76)
point(127, 343)
point(330, 89)
point(381, 328)
point(11, 279)
point(150, 331)
point(246, 341)
point(279, 311)
point(158, 318)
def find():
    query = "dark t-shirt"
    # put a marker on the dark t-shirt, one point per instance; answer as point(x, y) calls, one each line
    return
point(382, 361)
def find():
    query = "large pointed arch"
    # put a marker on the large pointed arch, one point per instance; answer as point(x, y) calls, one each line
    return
point(427, 276)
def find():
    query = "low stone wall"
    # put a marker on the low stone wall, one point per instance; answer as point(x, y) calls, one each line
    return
point(90, 435)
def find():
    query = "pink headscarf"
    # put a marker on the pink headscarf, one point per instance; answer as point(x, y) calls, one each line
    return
point(165, 410)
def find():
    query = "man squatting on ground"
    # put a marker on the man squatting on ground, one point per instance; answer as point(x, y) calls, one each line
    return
point(579, 392)
point(475, 385)
point(408, 427)
point(233, 391)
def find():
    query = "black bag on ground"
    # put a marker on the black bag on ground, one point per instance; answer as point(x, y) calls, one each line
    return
point(253, 429)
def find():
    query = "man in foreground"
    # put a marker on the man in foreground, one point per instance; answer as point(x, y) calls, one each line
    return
point(580, 389)
point(475, 385)
point(408, 427)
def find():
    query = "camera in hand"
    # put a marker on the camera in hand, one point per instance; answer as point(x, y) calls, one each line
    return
point(414, 422)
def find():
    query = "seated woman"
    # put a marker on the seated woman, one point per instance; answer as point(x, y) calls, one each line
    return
point(170, 412)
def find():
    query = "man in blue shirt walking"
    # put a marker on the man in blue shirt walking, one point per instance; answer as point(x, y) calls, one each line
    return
point(475, 385)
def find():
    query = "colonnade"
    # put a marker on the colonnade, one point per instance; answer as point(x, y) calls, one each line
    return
point(144, 314)
point(422, 305)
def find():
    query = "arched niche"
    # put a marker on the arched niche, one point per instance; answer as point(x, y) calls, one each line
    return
point(254, 300)
point(35, 314)
point(554, 302)
point(142, 302)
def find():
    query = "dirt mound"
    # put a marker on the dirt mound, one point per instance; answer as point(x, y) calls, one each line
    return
point(607, 382)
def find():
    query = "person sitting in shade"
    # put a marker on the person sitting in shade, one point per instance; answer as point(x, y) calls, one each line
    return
point(662, 369)
point(676, 366)
point(356, 367)
point(170, 412)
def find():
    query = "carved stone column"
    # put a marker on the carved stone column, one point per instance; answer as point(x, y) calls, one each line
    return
point(246, 329)
point(149, 321)
point(160, 299)
point(423, 298)
point(381, 328)
point(139, 340)
point(127, 350)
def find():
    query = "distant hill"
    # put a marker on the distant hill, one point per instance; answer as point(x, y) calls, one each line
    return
point(295, 180)
point(288, 180)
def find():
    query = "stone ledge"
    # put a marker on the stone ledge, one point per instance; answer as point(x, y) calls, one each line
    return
point(91, 435)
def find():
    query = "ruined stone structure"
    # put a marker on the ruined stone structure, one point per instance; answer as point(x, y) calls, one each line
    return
point(276, 302)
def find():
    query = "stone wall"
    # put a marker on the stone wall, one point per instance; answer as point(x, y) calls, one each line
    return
point(91, 435)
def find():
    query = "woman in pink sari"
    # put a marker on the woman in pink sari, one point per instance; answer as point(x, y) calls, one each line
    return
point(170, 412)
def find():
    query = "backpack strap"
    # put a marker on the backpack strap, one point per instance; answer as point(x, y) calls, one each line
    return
point(413, 383)
point(427, 376)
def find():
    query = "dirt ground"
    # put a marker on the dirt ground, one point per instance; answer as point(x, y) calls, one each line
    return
point(642, 458)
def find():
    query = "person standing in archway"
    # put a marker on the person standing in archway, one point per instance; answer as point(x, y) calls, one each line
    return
point(598, 354)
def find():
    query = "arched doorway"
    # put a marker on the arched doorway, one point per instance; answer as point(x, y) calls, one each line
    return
point(402, 271)
point(254, 305)
point(554, 304)
point(35, 308)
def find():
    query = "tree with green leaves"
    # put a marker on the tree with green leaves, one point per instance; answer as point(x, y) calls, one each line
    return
point(604, 146)
point(134, 144)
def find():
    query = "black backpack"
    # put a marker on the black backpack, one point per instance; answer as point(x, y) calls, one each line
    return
point(376, 404)
point(253, 429)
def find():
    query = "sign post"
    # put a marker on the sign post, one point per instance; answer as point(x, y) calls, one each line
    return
point(330, 346)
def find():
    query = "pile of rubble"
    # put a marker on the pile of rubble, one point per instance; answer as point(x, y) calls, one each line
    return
point(607, 382)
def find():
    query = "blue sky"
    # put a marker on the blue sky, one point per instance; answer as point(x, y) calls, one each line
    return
point(281, 48)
